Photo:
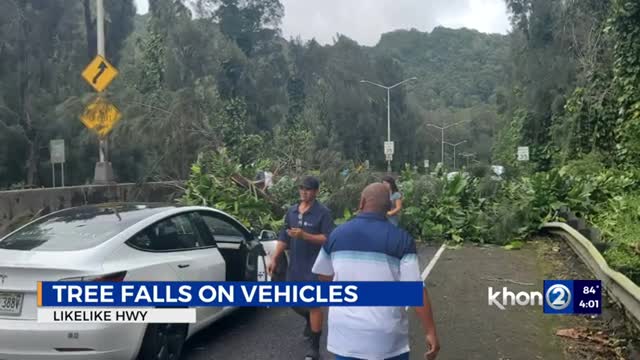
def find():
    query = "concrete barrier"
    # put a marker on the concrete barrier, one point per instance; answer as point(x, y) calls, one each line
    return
point(20, 206)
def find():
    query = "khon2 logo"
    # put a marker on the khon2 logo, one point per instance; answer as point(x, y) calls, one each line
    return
point(558, 297)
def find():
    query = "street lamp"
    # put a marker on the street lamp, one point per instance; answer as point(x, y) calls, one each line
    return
point(454, 150)
point(389, 108)
point(442, 137)
point(467, 156)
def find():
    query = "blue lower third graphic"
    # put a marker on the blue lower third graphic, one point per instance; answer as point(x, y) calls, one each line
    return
point(189, 294)
point(572, 297)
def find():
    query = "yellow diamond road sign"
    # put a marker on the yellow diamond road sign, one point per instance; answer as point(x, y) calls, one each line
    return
point(100, 116)
point(99, 73)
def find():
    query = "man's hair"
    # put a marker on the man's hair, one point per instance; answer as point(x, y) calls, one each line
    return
point(375, 198)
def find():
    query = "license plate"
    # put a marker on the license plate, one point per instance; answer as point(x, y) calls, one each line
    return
point(10, 303)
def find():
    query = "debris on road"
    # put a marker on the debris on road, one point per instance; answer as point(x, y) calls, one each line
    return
point(594, 342)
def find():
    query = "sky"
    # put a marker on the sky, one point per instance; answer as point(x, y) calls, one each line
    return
point(365, 20)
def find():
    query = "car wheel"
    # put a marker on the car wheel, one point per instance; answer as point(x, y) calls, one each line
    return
point(163, 342)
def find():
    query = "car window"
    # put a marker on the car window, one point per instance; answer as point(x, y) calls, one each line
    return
point(76, 228)
point(221, 229)
point(175, 233)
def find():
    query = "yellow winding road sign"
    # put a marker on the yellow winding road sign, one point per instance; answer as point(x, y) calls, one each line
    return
point(99, 73)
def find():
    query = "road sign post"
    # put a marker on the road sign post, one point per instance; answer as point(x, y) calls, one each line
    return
point(100, 116)
point(523, 153)
point(388, 153)
point(388, 147)
point(99, 73)
point(56, 150)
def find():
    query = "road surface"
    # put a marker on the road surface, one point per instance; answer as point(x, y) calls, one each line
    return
point(458, 283)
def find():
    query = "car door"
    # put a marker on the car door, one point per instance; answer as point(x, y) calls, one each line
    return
point(243, 253)
point(194, 256)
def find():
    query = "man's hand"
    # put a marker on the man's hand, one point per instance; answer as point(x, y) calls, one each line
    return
point(273, 262)
point(434, 346)
point(295, 233)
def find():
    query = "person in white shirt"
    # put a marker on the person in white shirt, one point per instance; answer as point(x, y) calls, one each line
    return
point(370, 248)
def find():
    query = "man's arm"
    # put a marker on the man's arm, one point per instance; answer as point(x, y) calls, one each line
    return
point(397, 208)
point(426, 318)
point(410, 271)
point(281, 246)
point(326, 227)
point(316, 239)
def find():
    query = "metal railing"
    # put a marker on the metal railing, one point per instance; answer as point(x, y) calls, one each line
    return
point(620, 288)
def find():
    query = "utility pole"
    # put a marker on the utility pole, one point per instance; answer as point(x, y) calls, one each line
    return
point(101, 52)
point(388, 88)
point(454, 150)
point(442, 142)
point(467, 156)
point(103, 171)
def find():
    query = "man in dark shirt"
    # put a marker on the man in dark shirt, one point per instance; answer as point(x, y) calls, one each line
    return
point(307, 226)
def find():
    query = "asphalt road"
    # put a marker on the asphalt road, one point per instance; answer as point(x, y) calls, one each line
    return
point(274, 333)
point(458, 284)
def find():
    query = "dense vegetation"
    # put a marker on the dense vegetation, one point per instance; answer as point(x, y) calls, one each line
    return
point(187, 79)
point(573, 97)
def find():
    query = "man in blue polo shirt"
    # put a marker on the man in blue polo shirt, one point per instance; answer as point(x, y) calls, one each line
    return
point(307, 226)
point(370, 248)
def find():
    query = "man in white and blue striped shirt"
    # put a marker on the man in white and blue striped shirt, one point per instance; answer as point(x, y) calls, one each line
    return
point(370, 248)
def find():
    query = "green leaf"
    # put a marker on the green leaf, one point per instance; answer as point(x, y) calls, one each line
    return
point(514, 245)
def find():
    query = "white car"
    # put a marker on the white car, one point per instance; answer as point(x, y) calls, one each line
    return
point(120, 242)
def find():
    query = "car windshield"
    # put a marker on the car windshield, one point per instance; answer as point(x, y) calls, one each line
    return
point(77, 229)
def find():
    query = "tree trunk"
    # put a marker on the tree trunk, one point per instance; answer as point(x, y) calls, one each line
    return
point(34, 148)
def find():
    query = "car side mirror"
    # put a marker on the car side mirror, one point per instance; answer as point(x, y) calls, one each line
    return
point(266, 235)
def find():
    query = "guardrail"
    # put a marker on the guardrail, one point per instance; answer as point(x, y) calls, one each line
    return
point(619, 287)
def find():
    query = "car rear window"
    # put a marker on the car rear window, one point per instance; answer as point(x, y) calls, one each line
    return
point(77, 228)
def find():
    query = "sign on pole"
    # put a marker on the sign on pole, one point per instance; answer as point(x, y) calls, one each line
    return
point(388, 148)
point(100, 116)
point(426, 163)
point(56, 148)
point(523, 153)
point(99, 73)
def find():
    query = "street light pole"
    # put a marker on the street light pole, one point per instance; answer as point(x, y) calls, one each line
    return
point(467, 156)
point(454, 150)
point(389, 116)
point(389, 107)
point(442, 128)
point(101, 51)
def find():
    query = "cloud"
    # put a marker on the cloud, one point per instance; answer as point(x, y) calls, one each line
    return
point(142, 6)
point(365, 20)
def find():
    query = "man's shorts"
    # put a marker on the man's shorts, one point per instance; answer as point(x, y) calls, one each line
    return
point(404, 356)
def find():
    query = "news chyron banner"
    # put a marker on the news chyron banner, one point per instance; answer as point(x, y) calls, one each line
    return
point(176, 302)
